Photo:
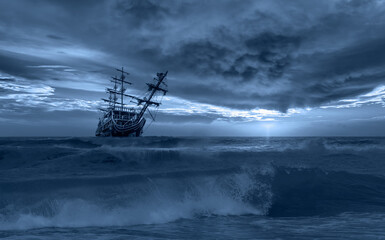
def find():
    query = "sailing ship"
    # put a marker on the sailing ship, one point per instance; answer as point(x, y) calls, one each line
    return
point(123, 120)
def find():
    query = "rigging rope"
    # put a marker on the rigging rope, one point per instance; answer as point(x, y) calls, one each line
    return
point(156, 113)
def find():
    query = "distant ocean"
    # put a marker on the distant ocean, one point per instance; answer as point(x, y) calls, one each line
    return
point(192, 188)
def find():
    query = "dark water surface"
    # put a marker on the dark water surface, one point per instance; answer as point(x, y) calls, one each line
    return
point(192, 188)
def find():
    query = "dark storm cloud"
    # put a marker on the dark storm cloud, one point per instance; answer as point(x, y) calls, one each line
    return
point(55, 37)
point(244, 55)
point(139, 12)
point(17, 64)
point(7, 79)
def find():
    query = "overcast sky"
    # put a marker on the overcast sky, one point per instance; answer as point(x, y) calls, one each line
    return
point(245, 68)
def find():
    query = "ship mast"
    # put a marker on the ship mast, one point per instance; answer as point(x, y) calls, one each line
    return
point(153, 88)
point(122, 89)
point(115, 90)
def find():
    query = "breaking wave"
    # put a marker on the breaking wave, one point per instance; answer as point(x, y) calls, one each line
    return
point(131, 200)
point(80, 182)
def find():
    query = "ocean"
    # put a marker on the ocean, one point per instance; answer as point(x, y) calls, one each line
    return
point(192, 188)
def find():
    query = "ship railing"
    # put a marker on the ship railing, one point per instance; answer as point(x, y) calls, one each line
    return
point(124, 117)
point(125, 109)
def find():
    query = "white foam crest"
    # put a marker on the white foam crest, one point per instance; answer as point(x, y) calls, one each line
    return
point(203, 197)
point(354, 148)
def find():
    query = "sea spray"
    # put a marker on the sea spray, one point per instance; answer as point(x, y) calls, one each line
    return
point(162, 185)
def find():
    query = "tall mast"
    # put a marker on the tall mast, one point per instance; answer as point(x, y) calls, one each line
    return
point(115, 98)
point(154, 88)
point(122, 88)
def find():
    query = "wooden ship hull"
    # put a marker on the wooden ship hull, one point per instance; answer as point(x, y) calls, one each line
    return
point(120, 120)
point(120, 128)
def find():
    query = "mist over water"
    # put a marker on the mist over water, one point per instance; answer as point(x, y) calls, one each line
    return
point(165, 187)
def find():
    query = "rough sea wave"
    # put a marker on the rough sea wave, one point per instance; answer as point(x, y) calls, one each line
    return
point(79, 183)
